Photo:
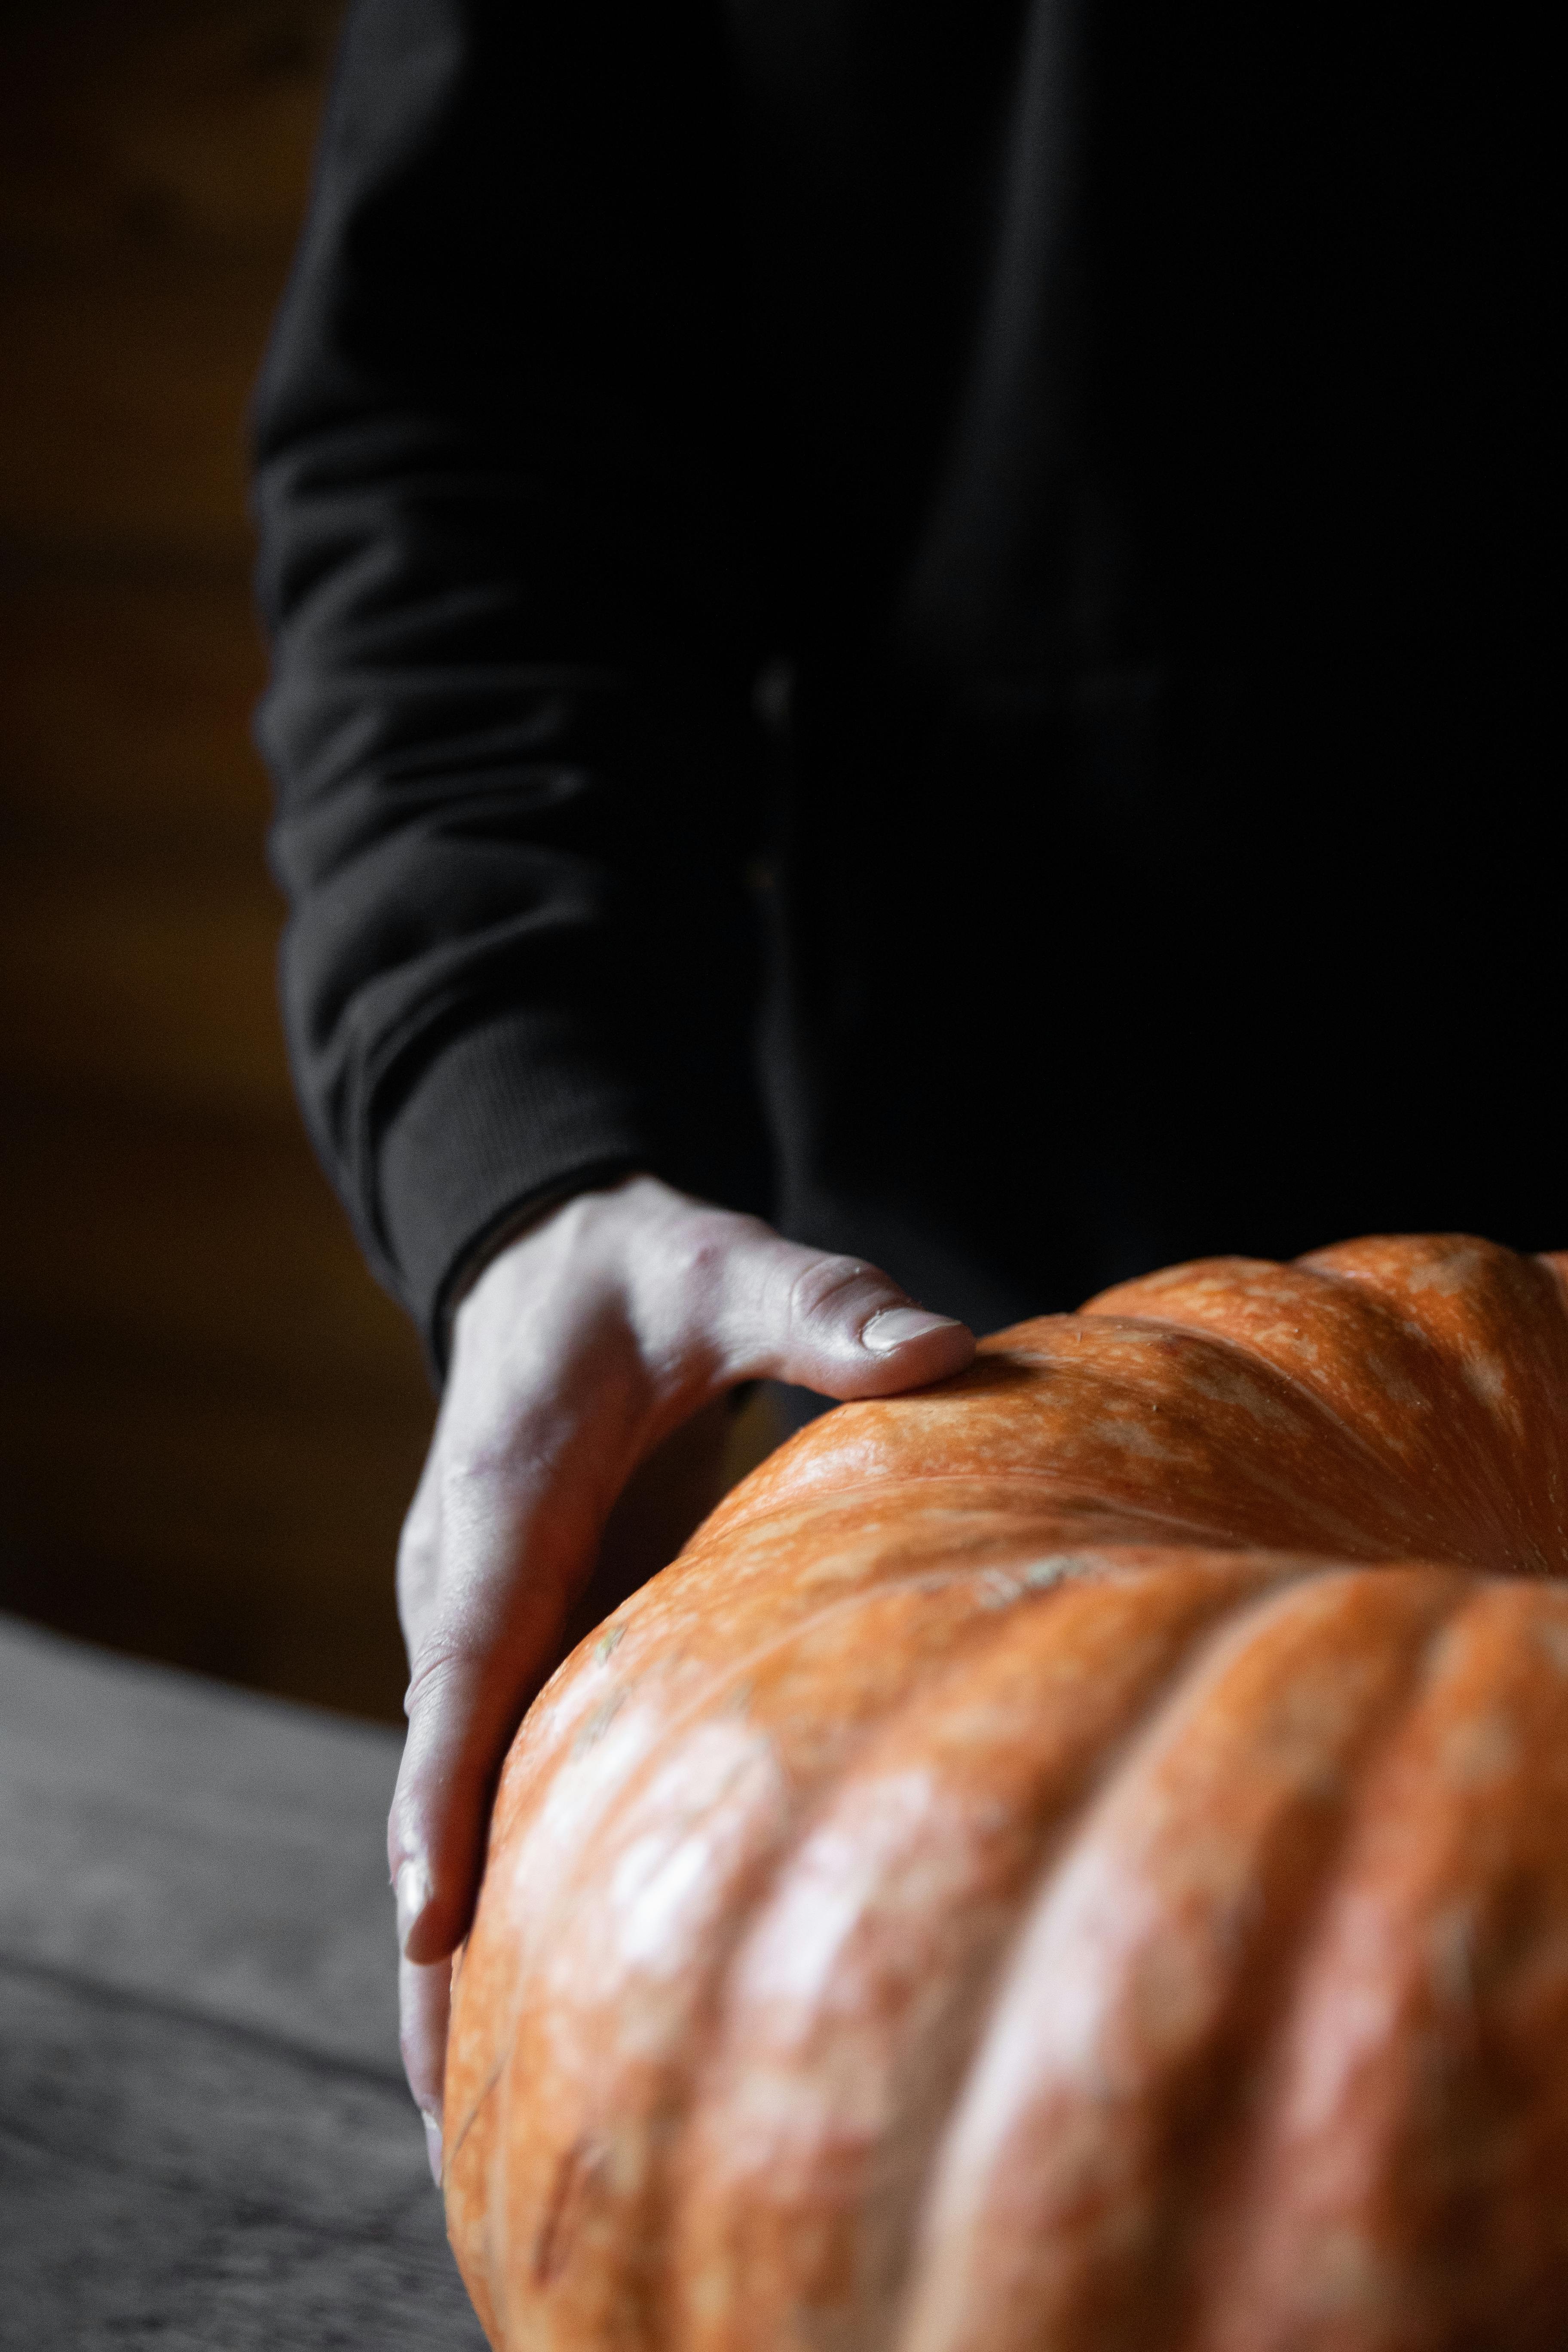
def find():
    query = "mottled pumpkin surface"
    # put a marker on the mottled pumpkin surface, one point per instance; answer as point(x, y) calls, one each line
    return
point(1073, 1859)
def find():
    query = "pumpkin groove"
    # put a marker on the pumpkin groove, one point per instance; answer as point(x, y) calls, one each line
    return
point(797, 1997)
point(1073, 1856)
point(1100, 2120)
point(646, 2022)
point(1399, 2195)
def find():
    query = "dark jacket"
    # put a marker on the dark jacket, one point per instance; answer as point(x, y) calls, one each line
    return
point(925, 618)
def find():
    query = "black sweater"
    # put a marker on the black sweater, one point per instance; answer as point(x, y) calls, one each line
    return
point(924, 618)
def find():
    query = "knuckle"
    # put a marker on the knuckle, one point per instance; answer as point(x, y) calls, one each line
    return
point(699, 1259)
point(417, 1546)
point(480, 1454)
point(678, 1292)
point(486, 1472)
point(830, 1286)
point(575, 1221)
point(443, 1659)
point(419, 2062)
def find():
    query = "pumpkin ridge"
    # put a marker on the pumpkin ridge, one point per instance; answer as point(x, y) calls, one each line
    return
point(647, 1760)
point(1506, 1314)
point(1022, 1542)
point(978, 1634)
point(1211, 2211)
point(1046, 1823)
point(1182, 1527)
point(1409, 1826)
point(717, 1949)
point(1373, 1459)
point(1352, 1539)
point(1060, 2290)
point(1376, 1517)
point(1447, 1294)
point(1478, 1501)
point(634, 2296)
point(1088, 1563)
point(1111, 1507)
point(1241, 2024)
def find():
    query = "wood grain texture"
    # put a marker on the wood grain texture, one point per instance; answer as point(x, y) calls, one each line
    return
point(170, 2184)
point(205, 2137)
point(1074, 1856)
point(168, 1838)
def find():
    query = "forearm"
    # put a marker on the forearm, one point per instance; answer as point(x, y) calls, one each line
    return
point(507, 714)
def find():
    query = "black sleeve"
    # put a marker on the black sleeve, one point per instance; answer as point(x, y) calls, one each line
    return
point(502, 458)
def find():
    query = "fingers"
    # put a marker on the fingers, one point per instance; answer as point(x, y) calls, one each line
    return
point(424, 2002)
point(513, 1548)
point(469, 1690)
point(458, 1725)
point(581, 1351)
point(419, 1555)
point(830, 1323)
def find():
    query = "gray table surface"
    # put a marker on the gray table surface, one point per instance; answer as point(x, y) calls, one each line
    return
point(205, 2143)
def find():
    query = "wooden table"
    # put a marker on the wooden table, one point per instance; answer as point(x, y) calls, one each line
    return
point(205, 2143)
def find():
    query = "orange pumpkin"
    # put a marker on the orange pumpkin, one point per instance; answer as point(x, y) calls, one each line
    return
point(1077, 1857)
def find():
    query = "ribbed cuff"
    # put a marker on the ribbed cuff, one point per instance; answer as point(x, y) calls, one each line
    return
point(519, 1109)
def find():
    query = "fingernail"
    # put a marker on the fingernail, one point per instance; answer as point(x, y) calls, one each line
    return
point(432, 2145)
point(896, 1326)
point(412, 1885)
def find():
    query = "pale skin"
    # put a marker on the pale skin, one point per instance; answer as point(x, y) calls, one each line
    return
point(578, 1439)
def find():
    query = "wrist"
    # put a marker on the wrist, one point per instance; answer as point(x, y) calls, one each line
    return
point(520, 1224)
point(487, 1248)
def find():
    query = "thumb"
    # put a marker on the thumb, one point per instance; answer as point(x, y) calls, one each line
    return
point(830, 1323)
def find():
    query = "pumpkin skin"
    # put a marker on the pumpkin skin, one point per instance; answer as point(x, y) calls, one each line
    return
point(1077, 1857)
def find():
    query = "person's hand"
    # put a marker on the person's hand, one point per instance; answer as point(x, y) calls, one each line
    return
point(590, 1361)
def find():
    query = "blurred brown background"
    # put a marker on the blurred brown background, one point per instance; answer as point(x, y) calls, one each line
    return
point(210, 1418)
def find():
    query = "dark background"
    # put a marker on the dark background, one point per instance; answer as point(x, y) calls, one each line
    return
point(210, 1418)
